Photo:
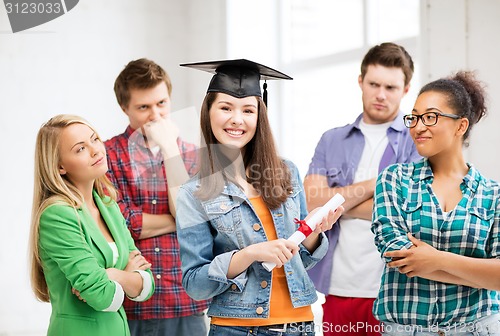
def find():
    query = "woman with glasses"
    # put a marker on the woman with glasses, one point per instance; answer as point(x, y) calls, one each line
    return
point(436, 223)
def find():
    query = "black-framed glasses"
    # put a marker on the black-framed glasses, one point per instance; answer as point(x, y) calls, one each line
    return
point(428, 118)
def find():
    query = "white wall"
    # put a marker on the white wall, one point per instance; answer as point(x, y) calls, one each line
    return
point(463, 34)
point(69, 66)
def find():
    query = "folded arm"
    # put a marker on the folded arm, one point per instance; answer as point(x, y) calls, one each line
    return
point(318, 192)
point(427, 262)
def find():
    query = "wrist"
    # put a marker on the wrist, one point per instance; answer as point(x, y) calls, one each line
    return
point(170, 149)
point(312, 242)
point(131, 285)
point(443, 260)
point(247, 254)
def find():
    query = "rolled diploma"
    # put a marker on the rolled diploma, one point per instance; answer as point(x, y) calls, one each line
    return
point(297, 237)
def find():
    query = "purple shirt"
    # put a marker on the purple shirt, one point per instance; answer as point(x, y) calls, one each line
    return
point(337, 157)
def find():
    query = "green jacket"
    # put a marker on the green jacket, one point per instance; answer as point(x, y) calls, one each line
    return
point(75, 254)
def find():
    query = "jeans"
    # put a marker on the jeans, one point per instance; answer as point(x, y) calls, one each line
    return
point(193, 325)
point(291, 329)
point(485, 326)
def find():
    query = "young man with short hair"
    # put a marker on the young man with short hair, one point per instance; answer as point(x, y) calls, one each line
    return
point(347, 160)
point(147, 164)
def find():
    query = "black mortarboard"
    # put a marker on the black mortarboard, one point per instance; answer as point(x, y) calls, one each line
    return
point(238, 78)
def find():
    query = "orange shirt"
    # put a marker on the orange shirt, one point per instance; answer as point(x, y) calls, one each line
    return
point(281, 309)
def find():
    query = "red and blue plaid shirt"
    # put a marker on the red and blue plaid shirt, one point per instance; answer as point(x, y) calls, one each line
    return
point(139, 176)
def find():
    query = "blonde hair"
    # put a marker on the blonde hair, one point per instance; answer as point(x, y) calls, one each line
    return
point(52, 188)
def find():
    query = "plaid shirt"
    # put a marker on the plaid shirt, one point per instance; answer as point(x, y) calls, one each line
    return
point(139, 176)
point(404, 202)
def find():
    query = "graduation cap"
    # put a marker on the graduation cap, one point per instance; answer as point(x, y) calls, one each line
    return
point(238, 78)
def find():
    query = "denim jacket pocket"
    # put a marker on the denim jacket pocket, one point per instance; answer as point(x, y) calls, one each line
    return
point(224, 214)
point(411, 213)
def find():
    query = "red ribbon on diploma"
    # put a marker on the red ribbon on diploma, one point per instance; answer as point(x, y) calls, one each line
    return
point(303, 227)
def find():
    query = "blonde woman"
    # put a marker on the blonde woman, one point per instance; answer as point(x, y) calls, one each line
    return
point(84, 260)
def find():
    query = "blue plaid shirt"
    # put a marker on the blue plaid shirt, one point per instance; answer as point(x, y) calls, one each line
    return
point(404, 202)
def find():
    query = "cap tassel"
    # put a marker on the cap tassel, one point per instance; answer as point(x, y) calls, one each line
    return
point(264, 95)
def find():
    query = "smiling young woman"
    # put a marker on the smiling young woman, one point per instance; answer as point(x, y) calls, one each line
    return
point(239, 210)
point(437, 222)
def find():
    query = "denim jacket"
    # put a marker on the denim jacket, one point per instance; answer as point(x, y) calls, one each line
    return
point(211, 231)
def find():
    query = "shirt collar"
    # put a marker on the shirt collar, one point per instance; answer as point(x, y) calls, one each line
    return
point(423, 171)
point(473, 178)
point(397, 124)
point(135, 137)
point(129, 131)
